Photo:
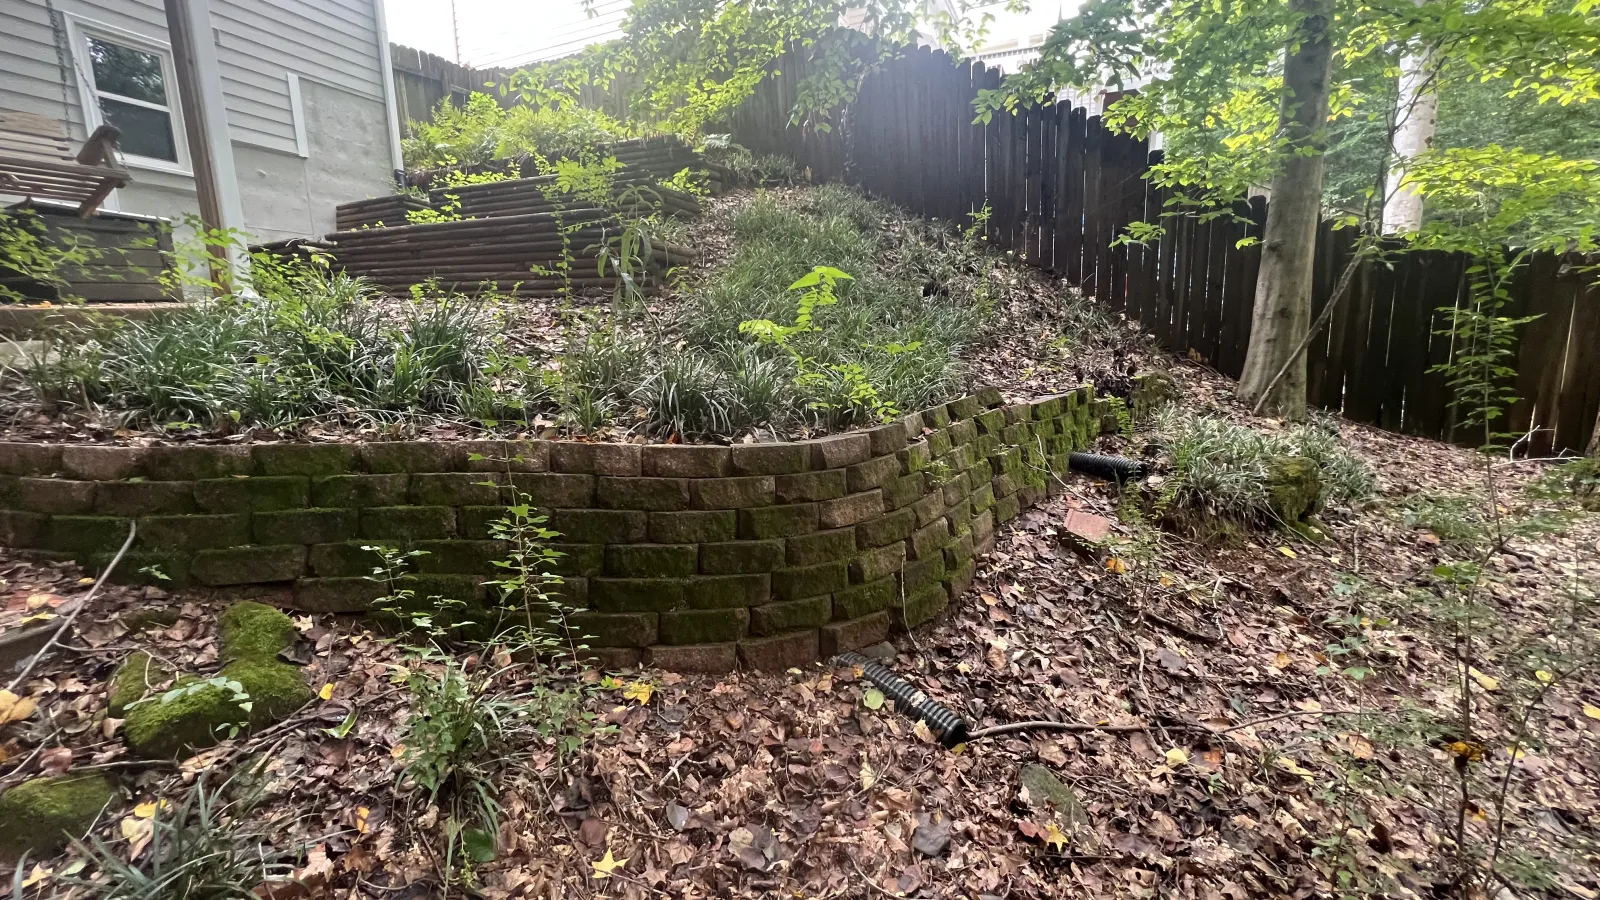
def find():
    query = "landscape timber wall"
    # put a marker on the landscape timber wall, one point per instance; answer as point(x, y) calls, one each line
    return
point(695, 558)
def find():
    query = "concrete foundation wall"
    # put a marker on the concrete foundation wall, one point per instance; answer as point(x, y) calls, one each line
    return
point(686, 557)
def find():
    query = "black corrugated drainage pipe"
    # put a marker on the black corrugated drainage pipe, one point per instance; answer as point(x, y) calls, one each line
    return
point(1112, 468)
point(948, 727)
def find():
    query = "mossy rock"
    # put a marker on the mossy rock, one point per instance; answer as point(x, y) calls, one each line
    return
point(204, 716)
point(37, 816)
point(251, 630)
point(139, 676)
point(1294, 487)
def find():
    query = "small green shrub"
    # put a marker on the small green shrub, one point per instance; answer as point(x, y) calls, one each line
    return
point(1578, 480)
point(1219, 471)
point(480, 131)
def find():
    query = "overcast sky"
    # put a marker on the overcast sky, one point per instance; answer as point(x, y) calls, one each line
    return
point(502, 32)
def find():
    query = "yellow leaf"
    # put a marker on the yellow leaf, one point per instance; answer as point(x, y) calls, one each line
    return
point(1544, 677)
point(922, 732)
point(145, 810)
point(38, 874)
point(640, 691)
point(1294, 768)
point(868, 776)
point(1592, 711)
point(1487, 682)
point(398, 751)
point(1116, 566)
point(1167, 580)
point(1516, 753)
point(1289, 553)
point(135, 829)
point(14, 708)
point(1176, 757)
point(361, 819)
point(327, 691)
point(1282, 661)
point(1468, 749)
point(606, 865)
point(1055, 837)
point(959, 748)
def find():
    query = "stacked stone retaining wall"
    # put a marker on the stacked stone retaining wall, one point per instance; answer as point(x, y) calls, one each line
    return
point(686, 557)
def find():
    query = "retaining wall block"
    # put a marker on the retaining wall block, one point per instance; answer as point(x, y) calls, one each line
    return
point(728, 591)
point(703, 626)
point(835, 638)
point(601, 526)
point(196, 463)
point(706, 659)
point(151, 498)
point(343, 559)
point(408, 523)
point(920, 606)
point(878, 563)
point(637, 594)
point(505, 456)
point(779, 652)
point(874, 473)
point(355, 490)
point(866, 599)
point(885, 529)
point(29, 459)
point(693, 527)
point(336, 595)
point(616, 629)
point(685, 461)
point(887, 438)
point(620, 460)
point(25, 530)
point(232, 495)
point(791, 615)
point(651, 494)
point(810, 581)
point(652, 560)
point(964, 407)
point(824, 484)
point(742, 557)
point(55, 496)
point(96, 463)
point(839, 450)
point(305, 526)
point(742, 492)
point(453, 557)
point(393, 457)
point(929, 539)
point(770, 459)
point(904, 491)
point(552, 489)
point(780, 521)
point(850, 510)
point(313, 460)
point(457, 488)
point(197, 532)
point(820, 547)
point(253, 564)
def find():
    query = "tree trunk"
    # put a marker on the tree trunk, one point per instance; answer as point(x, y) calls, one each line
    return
point(1415, 112)
point(1282, 310)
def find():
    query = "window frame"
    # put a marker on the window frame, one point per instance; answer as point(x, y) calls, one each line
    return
point(79, 31)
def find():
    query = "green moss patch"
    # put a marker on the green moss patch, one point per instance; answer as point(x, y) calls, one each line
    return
point(251, 630)
point(140, 675)
point(208, 711)
point(37, 816)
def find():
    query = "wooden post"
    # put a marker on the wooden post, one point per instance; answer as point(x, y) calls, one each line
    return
point(197, 127)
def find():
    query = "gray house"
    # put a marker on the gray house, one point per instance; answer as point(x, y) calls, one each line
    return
point(297, 99)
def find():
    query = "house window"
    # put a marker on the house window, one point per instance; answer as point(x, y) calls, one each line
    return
point(128, 80)
point(131, 89)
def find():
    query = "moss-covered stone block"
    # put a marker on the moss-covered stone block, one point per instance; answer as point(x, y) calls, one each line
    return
point(851, 509)
point(602, 526)
point(253, 495)
point(838, 450)
point(622, 460)
point(1294, 487)
point(408, 523)
point(929, 508)
point(305, 526)
point(824, 484)
point(578, 559)
point(939, 443)
point(886, 439)
point(652, 560)
point(311, 460)
point(743, 492)
point(791, 615)
point(1007, 508)
point(139, 675)
point(197, 463)
point(770, 459)
point(810, 581)
point(728, 591)
point(42, 815)
point(458, 489)
point(982, 498)
point(741, 557)
point(337, 595)
point(357, 490)
point(615, 629)
point(651, 494)
point(693, 526)
point(866, 599)
point(905, 490)
point(458, 557)
point(251, 630)
point(991, 422)
point(143, 566)
point(936, 417)
point(505, 456)
point(963, 432)
point(56, 496)
point(886, 529)
point(928, 540)
point(24, 529)
point(778, 521)
point(685, 461)
point(878, 563)
point(919, 572)
point(779, 652)
point(206, 711)
point(342, 559)
point(556, 489)
point(254, 564)
point(920, 606)
point(704, 626)
point(392, 457)
point(149, 498)
point(619, 595)
point(820, 547)
point(98, 463)
point(964, 407)
point(837, 637)
point(874, 473)
point(85, 534)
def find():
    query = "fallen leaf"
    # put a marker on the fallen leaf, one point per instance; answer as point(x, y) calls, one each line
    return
point(606, 865)
point(1176, 757)
point(1360, 747)
point(640, 691)
point(1288, 552)
point(56, 760)
point(869, 777)
point(38, 874)
point(1544, 677)
point(1116, 566)
point(1487, 682)
point(1294, 768)
point(872, 698)
point(14, 708)
point(923, 733)
point(1592, 711)
point(1054, 836)
point(362, 814)
point(327, 691)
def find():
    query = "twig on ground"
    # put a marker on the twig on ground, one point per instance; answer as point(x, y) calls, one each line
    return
point(83, 603)
point(1047, 725)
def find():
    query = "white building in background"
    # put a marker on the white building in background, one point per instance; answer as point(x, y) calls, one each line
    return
point(297, 96)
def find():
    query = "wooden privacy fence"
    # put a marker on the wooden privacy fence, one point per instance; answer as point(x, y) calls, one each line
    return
point(1060, 188)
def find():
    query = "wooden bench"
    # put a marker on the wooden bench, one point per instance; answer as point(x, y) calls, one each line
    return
point(36, 160)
